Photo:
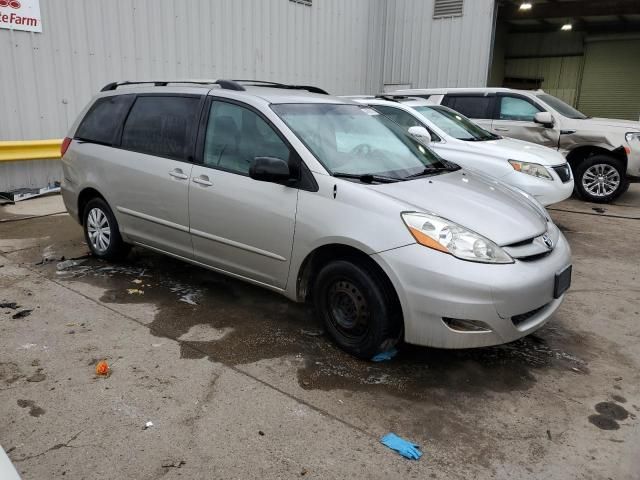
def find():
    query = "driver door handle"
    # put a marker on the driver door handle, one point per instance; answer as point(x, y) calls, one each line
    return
point(497, 129)
point(178, 173)
point(202, 180)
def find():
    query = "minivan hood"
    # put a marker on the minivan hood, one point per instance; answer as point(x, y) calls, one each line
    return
point(512, 149)
point(482, 205)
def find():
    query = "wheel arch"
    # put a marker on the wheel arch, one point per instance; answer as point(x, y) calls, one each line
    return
point(578, 154)
point(84, 197)
point(320, 256)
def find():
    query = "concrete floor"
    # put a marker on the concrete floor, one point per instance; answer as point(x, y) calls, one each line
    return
point(241, 383)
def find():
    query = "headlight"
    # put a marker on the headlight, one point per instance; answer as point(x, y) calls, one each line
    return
point(632, 137)
point(448, 237)
point(533, 169)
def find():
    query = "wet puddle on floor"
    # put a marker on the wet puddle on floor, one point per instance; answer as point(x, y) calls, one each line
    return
point(234, 323)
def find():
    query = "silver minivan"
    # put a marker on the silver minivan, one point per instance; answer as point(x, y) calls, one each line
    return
point(320, 199)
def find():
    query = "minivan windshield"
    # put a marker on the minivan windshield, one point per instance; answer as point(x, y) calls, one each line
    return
point(455, 124)
point(561, 107)
point(356, 141)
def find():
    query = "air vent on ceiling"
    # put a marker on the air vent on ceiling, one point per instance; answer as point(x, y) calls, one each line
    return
point(447, 8)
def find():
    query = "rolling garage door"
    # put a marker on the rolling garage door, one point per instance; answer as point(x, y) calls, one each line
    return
point(611, 79)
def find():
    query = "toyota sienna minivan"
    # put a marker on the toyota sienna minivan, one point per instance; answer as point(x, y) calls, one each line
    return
point(320, 199)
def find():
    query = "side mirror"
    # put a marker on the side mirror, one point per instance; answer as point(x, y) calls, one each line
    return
point(270, 169)
point(420, 133)
point(544, 118)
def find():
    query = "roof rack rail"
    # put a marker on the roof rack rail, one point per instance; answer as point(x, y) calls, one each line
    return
point(226, 84)
point(263, 83)
point(391, 98)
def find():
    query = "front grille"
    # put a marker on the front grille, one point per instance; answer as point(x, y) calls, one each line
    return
point(564, 172)
point(523, 317)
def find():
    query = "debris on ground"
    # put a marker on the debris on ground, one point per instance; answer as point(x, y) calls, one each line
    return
point(312, 333)
point(405, 448)
point(384, 356)
point(135, 291)
point(21, 314)
point(173, 463)
point(37, 377)
point(102, 369)
point(148, 425)
point(67, 264)
point(303, 472)
point(11, 305)
point(261, 433)
point(599, 209)
point(549, 434)
point(137, 281)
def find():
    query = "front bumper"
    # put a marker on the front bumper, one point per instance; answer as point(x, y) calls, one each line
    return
point(432, 285)
point(545, 191)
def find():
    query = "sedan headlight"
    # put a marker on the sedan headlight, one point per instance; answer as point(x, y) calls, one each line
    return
point(632, 137)
point(533, 169)
point(449, 237)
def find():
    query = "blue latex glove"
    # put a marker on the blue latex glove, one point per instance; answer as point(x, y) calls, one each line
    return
point(382, 356)
point(402, 446)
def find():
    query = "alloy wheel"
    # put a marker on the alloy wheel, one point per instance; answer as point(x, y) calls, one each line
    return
point(601, 180)
point(98, 230)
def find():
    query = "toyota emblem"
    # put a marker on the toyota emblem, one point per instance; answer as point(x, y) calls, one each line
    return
point(547, 241)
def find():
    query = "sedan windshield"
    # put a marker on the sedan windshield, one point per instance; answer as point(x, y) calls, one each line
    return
point(355, 141)
point(561, 107)
point(455, 124)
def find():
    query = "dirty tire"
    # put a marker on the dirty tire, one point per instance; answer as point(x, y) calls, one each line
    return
point(98, 214)
point(356, 308)
point(613, 169)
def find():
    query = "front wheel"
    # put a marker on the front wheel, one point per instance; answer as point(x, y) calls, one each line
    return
point(357, 308)
point(600, 179)
point(101, 231)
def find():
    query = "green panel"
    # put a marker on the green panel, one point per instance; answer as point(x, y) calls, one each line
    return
point(559, 75)
point(611, 79)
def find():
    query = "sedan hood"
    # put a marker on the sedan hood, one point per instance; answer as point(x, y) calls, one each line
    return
point(511, 149)
point(477, 203)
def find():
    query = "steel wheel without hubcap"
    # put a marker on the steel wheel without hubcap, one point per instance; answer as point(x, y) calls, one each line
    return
point(98, 230)
point(600, 180)
point(348, 310)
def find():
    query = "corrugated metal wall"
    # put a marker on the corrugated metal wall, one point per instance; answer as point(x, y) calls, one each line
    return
point(339, 45)
point(444, 52)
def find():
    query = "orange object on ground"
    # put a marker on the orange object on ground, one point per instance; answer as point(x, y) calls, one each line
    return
point(102, 368)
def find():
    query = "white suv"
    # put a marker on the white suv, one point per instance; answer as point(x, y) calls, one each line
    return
point(604, 154)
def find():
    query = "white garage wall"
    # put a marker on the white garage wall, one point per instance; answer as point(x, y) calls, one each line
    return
point(446, 52)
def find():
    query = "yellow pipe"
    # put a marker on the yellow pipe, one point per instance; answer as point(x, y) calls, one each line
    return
point(30, 150)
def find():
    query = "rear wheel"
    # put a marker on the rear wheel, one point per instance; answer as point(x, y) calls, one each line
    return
point(101, 231)
point(357, 308)
point(601, 179)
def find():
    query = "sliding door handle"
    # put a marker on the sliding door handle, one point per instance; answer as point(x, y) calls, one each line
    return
point(202, 180)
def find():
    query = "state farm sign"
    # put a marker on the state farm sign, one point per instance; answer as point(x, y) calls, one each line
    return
point(20, 15)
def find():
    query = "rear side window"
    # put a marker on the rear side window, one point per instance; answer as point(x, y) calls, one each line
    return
point(402, 118)
point(162, 125)
point(102, 121)
point(469, 106)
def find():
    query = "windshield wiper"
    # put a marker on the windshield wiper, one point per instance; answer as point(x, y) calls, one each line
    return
point(367, 177)
point(433, 170)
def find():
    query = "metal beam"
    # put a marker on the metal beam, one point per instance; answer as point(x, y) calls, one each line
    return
point(29, 150)
point(586, 8)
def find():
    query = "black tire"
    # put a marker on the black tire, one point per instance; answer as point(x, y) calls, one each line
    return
point(357, 308)
point(601, 172)
point(115, 249)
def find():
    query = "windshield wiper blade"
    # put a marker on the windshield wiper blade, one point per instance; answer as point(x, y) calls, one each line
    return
point(367, 177)
point(433, 171)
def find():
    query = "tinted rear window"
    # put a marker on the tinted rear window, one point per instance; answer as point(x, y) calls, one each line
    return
point(162, 125)
point(103, 120)
point(469, 106)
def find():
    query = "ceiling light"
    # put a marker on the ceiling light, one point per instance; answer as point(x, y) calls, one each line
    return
point(566, 27)
point(525, 6)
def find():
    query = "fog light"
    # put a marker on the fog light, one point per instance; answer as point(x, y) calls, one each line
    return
point(466, 325)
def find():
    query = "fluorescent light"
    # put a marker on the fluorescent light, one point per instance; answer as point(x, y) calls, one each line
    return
point(525, 6)
point(566, 27)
